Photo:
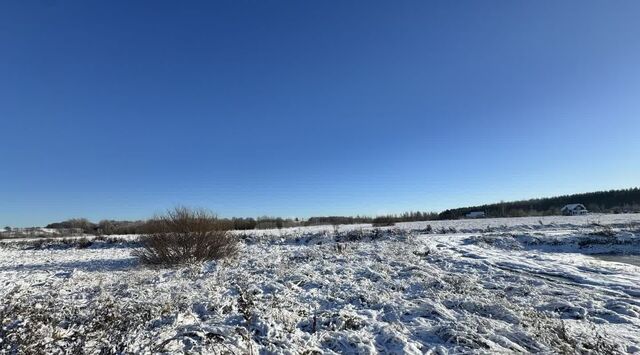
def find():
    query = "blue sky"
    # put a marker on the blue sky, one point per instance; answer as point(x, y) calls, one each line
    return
point(121, 109)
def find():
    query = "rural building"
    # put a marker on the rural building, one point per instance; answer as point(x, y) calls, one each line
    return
point(475, 214)
point(574, 209)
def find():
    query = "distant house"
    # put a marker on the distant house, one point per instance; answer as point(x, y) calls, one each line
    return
point(574, 209)
point(475, 214)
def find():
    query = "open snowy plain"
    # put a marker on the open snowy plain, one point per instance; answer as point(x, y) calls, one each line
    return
point(470, 286)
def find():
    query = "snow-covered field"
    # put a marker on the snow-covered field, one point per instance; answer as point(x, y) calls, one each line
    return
point(485, 286)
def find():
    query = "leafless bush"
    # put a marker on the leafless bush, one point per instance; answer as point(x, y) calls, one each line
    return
point(83, 243)
point(185, 236)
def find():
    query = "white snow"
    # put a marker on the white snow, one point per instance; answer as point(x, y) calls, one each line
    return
point(467, 286)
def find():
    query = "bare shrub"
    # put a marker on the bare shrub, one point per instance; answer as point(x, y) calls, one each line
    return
point(83, 243)
point(184, 236)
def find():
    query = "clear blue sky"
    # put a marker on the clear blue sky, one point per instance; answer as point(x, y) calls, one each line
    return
point(121, 109)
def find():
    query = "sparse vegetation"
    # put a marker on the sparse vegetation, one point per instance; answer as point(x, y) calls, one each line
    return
point(70, 243)
point(603, 231)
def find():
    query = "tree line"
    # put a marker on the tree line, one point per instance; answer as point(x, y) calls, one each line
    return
point(108, 227)
point(612, 201)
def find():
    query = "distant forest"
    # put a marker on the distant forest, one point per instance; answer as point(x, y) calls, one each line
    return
point(613, 201)
point(140, 227)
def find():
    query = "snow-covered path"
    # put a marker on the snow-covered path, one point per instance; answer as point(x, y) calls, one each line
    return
point(573, 286)
point(482, 286)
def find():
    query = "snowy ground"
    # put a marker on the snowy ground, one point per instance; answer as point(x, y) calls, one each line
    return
point(485, 286)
